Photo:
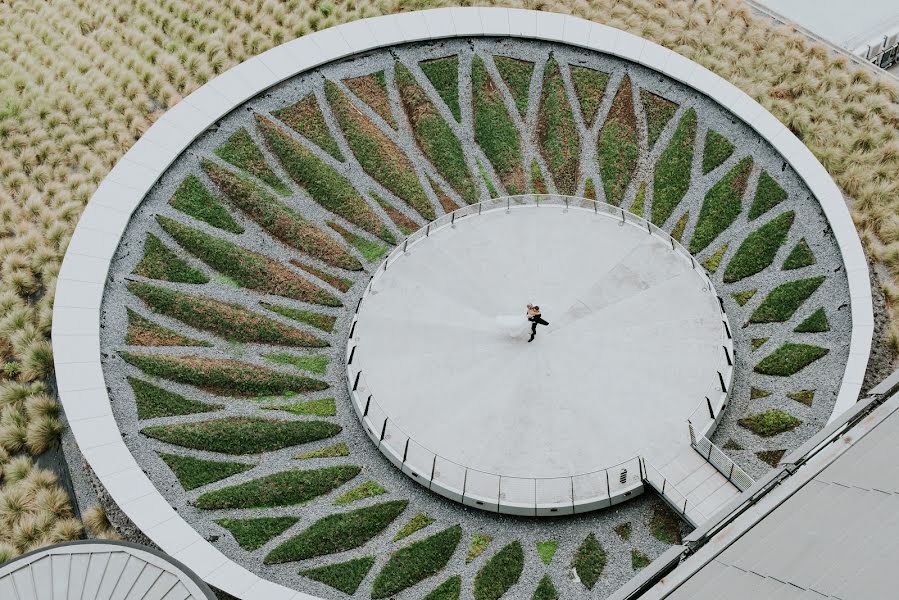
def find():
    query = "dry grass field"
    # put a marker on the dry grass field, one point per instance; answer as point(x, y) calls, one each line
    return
point(80, 80)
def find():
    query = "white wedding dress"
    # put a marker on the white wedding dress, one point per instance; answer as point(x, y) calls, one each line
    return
point(513, 325)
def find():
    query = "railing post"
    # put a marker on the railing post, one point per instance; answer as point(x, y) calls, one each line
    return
point(405, 245)
point(480, 205)
point(727, 355)
point(721, 303)
point(428, 230)
point(622, 215)
point(731, 474)
point(709, 457)
point(356, 383)
point(692, 261)
point(358, 304)
point(692, 433)
point(453, 219)
point(672, 242)
point(721, 379)
point(566, 203)
point(685, 507)
point(664, 483)
point(648, 228)
point(596, 207)
point(727, 330)
point(508, 204)
point(709, 404)
point(352, 354)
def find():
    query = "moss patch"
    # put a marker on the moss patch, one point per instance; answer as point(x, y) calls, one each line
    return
point(241, 151)
point(639, 560)
point(785, 299)
point(731, 444)
point(714, 261)
point(249, 269)
point(499, 573)
point(443, 73)
point(545, 590)
point(317, 363)
point(144, 332)
point(589, 561)
point(672, 173)
point(589, 87)
point(194, 472)
point(402, 222)
point(479, 543)
point(815, 323)
point(305, 117)
point(624, 531)
point(758, 250)
point(416, 562)
point(416, 523)
point(159, 262)
point(770, 423)
point(450, 589)
point(372, 89)
point(618, 145)
point(677, 232)
point(368, 489)
point(494, 130)
point(639, 205)
point(242, 435)
point(768, 194)
point(345, 576)
point(333, 451)
point(222, 376)
point(324, 407)
point(789, 359)
point(658, 112)
point(772, 457)
point(252, 534)
point(717, 150)
point(758, 343)
point(665, 526)
point(323, 322)
point(153, 401)
point(721, 206)
point(337, 533)
point(516, 74)
point(231, 322)
point(756, 393)
point(800, 256)
point(369, 249)
point(743, 297)
point(547, 549)
point(279, 489)
point(434, 136)
point(556, 131)
point(804, 396)
point(194, 199)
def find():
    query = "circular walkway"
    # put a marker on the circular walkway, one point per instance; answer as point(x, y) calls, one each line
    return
point(633, 346)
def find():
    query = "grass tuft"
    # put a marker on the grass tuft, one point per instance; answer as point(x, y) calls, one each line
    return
point(252, 534)
point(416, 562)
point(369, 489)
point(677, 232)
point(159, 262)
point(479, 543)
point(443, 73)
point(195, 472)
point(772, 457)
point(194, 199)
point(323, 322)
point(589, 561)
point(333, 451)
point(547, 550)
point(450, 589)
point(665, 526)
point(743, 297)
point(804, 396)
point(672, 172)
point(712, 263)
point(658, 112)
point(758, 343)
point(789, 359)
point(639, 560)
point(545, 590)
point(416, 523)
point(768, 194)
point(241, 151)
point(324, 407)
point(758, 250)
point(815, 323)
point(785, 299)
point(499, 573)
point(800, 256)
point(317, 363)
point(717, 150)
point(624, 531)
point(721, 206)
point(770, 423)
point(153, 401)
point(756, 393)
point(345, 576)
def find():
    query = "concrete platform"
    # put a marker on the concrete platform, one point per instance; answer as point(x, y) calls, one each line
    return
point(633, 347)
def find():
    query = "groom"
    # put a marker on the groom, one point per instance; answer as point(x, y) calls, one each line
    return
point(535, 317)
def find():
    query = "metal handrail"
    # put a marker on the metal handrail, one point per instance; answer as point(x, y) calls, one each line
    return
point(668, 492)
point(721, 461)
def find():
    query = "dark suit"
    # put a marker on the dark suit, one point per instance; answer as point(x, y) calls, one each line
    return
point(535, 320)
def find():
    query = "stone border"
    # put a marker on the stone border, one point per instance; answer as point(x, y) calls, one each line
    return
point(82, 277)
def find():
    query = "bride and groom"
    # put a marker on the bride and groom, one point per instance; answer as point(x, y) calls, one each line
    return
point(517, 325)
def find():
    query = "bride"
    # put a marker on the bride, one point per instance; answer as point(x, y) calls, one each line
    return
point(514, 325)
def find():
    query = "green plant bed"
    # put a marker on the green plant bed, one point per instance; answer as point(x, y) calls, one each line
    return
point(434, 137)
point(305, 117)
point(369, 249)
point(770, 423)
point(333, 451)
point(416, 562)
point(323, 322)
point(416, 523)
point(241, 151)
point(144, 332)
point(326, 186)
point(743, 297)
point(712, 263)
point(557, 133)
point(589, 561)
point(279, 489)
point(281, 221)
point(803, 396)
point(672, 173)
point(153, 401)
point(717, 150)
point(768, 194)
point(252, 534)
point(589, 88)
point(789, 359)
point(546, 550)
point(368, 489)
point(624, 531)
point(758, 343)
point(242, 435)
point(618, 145)
point(639, 205)
point(346, 576)
point(758, 250)
point(231, 322)
point(517, 75)
point(590, 189)
point(658, 112)
point(538, 185)
point(721, 206)
point(785, 299)
point(337, 533)
point(499, 573)
point(194, 199)
point(325, 407)
point(639, 560)
point(450, 589)
point(800, 256)
point(159, 262)
point(772, 457)
point(402, 222)
point(222, 376)
point(341, 283)
point(756, 393)
point(545, 590)
point(665, 526)
point(382, 159)
point(479, 543)
point(195, 472)
point(372, 89)
point(677, 232)
point(248, 269)
point(732, 445)
point(815, 323)
point(494, 130)
point(317, 363)
point(443, 73)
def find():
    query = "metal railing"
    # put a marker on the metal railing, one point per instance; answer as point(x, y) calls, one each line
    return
point(666, 490)
point(718, 459)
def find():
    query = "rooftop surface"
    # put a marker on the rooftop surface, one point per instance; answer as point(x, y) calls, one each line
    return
point(846, 24)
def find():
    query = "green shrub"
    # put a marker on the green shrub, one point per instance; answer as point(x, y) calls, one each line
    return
point(345, 576)
point(785, 299)
point(665, 526)
point(192, 198)
point(144, 332)
point(366, 490)
point(639, 560)
point(278, 219)
point(800, 256)
point(547, 549)
point(242, 435)
point(241, 151)
point(589, 87)
point(415, 562)
point(222, 376)
point(618, 145)
point(721, 206)
point(443, 73)
point(494, 130)
point(789, 359)
point(770, 423)
point(305, 117)
point(323, 322)
point(658, 112)
point(279, 489)
point(252, 534)
point(717, 150)
point(768, 194)
point(419, 521)
point(556, 131)
point(333, 451)
point(159, 262)
point(450, 589)
point(195, 472)
point(589, 561)
point(672, 174)
point(815, 323)
point(499, 573)
point(758, 250)
point(324, 407)
point(153, 401)
point(337, 533)
point(369, 249)
point(317, 363)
